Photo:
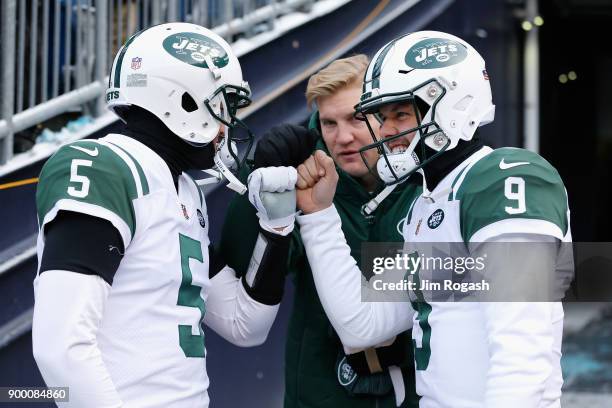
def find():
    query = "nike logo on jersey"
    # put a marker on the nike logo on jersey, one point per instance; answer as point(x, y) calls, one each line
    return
point(505, 166)
point(91, 152)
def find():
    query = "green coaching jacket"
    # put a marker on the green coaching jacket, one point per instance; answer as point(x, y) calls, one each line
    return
point(313, 349)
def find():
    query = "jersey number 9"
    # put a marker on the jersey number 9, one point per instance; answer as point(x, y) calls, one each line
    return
point(515, 191)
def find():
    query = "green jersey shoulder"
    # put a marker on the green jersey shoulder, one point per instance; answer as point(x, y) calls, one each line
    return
point(508, 185)
point(93, 177)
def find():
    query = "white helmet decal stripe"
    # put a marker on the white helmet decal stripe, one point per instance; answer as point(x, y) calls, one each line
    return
point(378, 63)
point(117, 72)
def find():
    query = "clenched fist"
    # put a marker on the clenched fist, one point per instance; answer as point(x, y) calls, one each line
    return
point(317, 180)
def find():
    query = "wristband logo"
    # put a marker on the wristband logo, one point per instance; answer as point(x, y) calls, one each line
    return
point(194, 48)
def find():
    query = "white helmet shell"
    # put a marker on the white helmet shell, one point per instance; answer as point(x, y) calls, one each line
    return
point(170, 70)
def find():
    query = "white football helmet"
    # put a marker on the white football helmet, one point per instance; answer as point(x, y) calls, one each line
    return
point(188, 77)
point(446, 81)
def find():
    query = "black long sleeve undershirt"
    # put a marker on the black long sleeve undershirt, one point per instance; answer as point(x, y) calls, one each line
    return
point(90, 245)
point(82, 243)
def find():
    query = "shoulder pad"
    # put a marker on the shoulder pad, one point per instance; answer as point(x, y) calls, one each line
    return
point(511, 183)
point(99, 179)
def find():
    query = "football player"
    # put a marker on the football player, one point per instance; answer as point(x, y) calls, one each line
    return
point(126, 275)
point(430, 92)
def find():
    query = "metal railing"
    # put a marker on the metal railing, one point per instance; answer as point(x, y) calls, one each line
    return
point(55, 54)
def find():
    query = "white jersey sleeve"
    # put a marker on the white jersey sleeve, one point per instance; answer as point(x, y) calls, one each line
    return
point(521, 335)
point(338, 281)
point(233, 314)
point(67, 313)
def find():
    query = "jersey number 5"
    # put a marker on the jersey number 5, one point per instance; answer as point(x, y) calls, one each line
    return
point(189, 295)
point(75, 177)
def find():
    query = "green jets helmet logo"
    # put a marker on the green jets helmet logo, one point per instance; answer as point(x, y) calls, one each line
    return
point(435, 53)
point(435, 219)
point(193, 48)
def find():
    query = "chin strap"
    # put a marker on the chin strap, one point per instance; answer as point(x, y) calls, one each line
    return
point(219, 173)
point(233, 182)
point(223, 162)
point(217, 177)
point(369, 207)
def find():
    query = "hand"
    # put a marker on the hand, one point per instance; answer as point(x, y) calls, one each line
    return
point(317, 180)
point(285, 145)
point(272, 193)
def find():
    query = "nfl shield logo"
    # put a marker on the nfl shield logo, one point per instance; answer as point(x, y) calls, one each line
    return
point(136, 62)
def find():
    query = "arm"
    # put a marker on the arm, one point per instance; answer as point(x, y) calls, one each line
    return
point(243, 310)
point(70, 294)
point(338, 281)
point(235, 315)
point(68, 309)
point(524, 337)
point(525, 207)
point(336, 275)
point(284, 145)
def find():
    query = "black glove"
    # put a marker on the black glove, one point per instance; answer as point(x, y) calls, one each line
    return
point(285, 145)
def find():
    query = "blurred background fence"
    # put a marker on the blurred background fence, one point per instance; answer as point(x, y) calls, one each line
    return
point(56, 53)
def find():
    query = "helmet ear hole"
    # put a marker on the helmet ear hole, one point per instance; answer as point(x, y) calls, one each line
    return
point(188, 103)
point(464, 103)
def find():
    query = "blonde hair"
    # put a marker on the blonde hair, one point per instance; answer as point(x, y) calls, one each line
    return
point(338, 74)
